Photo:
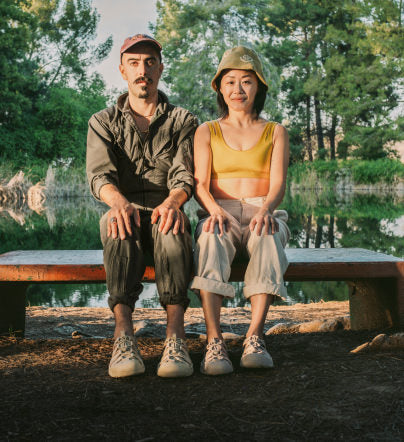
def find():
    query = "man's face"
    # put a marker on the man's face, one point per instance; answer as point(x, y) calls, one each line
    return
point(142, 69)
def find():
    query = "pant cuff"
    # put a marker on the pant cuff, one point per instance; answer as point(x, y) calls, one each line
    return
point(175, 300)
point(269, 288)
point(129, 300)
point(210, 285)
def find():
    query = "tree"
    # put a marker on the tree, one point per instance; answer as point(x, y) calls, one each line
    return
point(62, 39)
point(46, 94)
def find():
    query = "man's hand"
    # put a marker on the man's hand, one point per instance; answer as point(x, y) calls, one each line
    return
point(264, 220)
point(170, 216)
point(119, 220)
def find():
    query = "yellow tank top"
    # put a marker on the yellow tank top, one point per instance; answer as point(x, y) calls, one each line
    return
point(231, 163)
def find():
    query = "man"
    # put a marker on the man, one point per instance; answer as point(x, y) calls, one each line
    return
point(139, 162)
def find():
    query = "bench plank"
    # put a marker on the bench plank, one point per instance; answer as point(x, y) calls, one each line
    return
point(304, 265)
point(376, 280)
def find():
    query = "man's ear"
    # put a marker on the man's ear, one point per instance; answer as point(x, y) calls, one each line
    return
point(123, 72)
point(161, 68)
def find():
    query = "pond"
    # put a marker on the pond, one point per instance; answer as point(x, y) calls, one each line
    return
point(374, 221)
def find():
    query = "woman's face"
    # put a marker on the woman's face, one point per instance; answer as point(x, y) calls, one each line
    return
point(239, 88)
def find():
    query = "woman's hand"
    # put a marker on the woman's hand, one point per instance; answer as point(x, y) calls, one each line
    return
point(264, 220)
point(219, 217)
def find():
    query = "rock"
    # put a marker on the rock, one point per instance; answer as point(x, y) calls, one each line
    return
point(382, 342)
point(282, 327)
point(318, 325)
point(226, 336)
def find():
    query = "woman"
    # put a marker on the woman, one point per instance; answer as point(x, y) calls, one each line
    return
point(240, 173)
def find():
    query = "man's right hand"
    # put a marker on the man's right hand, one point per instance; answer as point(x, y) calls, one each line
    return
point(119, 220)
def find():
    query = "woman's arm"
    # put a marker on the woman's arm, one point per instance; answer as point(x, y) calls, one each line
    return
point(202, 168)
point(277, 183)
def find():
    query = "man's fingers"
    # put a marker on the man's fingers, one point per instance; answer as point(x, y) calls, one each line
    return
point(163, 220)
point(114, 228)
point(182, 221)
point(126, 220)
point(171, 218)
point(121, 228)
point(108, 228)
point(177, 225)
point(220, 222)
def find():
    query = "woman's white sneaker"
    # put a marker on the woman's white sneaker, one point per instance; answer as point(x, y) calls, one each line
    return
point(175, 361)
point(125, 360)
point(255, 354)
point(216, 360)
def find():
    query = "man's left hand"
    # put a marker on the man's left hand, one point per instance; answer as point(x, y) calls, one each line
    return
point(170, 216)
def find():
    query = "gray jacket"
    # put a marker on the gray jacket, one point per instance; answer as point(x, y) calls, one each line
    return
point(143, 171)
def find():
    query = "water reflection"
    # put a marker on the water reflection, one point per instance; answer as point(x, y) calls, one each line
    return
point(367, 220)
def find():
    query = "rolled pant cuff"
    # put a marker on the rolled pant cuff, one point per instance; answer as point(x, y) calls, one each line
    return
point(269, 288)
point(210, 285)
point(175, 300)
point(130, 301)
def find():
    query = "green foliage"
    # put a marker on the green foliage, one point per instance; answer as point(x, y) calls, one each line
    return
point(46, 95)
point(385, 170)
point(326, 173)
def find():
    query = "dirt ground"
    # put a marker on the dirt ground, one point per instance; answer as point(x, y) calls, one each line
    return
point(55, 387)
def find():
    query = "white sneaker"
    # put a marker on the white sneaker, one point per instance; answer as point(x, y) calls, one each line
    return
point(216, 360)
point(255, 354)
point(175, 361)
point(125, 360)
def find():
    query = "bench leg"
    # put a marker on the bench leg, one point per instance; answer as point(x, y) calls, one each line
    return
point(373, 304)
point(12, 308)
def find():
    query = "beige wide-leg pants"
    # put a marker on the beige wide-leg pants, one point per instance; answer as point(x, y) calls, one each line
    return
point(214, 254)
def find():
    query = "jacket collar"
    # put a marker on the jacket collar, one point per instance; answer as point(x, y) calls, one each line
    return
point(124, 106)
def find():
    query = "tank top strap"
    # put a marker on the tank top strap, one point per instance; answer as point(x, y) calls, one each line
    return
point(214, 129)
point(269, 131)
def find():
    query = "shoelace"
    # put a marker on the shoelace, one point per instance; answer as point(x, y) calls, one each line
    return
point(254, 344)
point(127, 347)
point(215, 349)
point(174, 350)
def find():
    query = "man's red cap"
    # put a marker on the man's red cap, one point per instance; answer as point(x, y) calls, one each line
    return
point(139, 38)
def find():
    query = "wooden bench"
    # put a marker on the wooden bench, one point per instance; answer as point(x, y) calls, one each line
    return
point(376, 280)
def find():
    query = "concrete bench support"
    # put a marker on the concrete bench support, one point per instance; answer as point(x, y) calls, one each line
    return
point(12, 308)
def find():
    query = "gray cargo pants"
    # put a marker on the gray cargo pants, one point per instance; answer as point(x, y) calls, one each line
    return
point(124, 262)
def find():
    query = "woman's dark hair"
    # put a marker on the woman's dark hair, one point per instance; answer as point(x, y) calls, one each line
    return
point(258, 101)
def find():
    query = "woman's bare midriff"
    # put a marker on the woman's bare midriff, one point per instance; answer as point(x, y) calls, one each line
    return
point(236, 188)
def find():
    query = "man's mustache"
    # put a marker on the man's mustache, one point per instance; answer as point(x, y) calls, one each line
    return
point(144, 78)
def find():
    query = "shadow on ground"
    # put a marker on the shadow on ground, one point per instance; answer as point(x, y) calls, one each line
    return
point(60, 390)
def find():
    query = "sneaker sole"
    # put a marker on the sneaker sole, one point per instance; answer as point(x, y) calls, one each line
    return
point(175, 373)
point(124, 373)
point(256, 364)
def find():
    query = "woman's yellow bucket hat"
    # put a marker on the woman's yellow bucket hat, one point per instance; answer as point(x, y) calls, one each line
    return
point(240, 57)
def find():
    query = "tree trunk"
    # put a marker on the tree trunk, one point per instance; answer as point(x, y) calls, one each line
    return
point(331, 233)
point(308, 130)
point(319, 232)
point(332, 136)
point(319, 130)
point(308, 230)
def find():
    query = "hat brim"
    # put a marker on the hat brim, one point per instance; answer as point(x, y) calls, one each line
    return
point(246, 68)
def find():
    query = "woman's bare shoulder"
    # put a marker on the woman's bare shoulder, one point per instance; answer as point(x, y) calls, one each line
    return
point(203, 132)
